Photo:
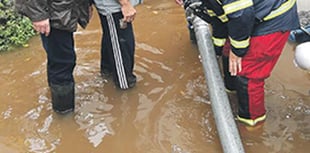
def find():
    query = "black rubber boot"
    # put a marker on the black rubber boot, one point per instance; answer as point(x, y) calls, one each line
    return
point(62, 98)
point(230, 81)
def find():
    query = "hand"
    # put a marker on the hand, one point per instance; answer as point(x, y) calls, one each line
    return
point(180, 2)
point(42, 26)
point(129, 12)
point(234, 64)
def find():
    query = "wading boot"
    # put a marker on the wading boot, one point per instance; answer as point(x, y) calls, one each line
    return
point(62, 98)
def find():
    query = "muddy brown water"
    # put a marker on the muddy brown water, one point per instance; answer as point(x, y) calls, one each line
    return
point(167, 112)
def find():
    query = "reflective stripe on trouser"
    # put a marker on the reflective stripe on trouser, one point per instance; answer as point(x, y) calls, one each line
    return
point(117, 49)
point(61, 57)
point(257, 65)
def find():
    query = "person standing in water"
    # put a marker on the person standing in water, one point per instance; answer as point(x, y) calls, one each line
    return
point(118, 40)
point(56, 21)
point(256, 32)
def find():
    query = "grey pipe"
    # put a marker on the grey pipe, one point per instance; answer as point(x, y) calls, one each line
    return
point(225, 123)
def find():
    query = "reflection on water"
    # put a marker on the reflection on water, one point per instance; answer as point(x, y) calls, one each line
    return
point(167, 112)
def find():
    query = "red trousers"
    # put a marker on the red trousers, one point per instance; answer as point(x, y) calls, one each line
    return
point(257, 65)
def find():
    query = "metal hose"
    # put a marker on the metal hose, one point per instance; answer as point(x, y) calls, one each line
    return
point(225, 123)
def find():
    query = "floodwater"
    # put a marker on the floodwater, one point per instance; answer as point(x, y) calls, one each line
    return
point(167, 112)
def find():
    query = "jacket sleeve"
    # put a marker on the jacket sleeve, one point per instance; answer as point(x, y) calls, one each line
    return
point(219, 35)
point(212, 13)
point(240, 25)
point(36, 10)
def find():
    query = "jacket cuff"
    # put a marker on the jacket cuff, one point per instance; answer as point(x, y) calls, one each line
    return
point(240, 47)
point(240, 52)
point(35, 18)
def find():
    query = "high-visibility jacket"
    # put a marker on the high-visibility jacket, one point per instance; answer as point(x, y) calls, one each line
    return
point(239, 20)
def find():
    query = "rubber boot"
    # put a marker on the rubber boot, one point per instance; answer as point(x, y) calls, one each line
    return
point(229, 81)
point(62, 98)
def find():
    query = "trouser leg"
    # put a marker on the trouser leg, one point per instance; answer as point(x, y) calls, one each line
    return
point(106, 62)
point(256, 67)
point(191, 31)
point(59, 46)
point(251, 97)
point(120, 49)
point(229, 80)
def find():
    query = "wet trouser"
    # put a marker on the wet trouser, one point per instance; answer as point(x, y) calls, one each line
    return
point(117, 50)
point(257, 65)
point(61, 57)
point(229, 81)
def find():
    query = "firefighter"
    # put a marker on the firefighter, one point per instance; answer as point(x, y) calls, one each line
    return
point(256, 31)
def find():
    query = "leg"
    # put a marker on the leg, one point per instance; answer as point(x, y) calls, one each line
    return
point(250, 94)
point(190, 26)
point(121, 51)
point(191, 30)
point(106, 62)
point(256, 67)
point(229, 81)
point(60, 64)
point(127, 47)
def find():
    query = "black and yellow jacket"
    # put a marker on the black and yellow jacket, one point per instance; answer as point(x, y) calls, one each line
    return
point(239, 20)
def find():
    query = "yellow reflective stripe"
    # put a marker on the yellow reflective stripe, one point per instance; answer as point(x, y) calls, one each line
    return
point(220, 42)
point(223, 18)
point(282, 9)
point(240, 44)
point(211, 13)
point(218, 1)
point(237, 6)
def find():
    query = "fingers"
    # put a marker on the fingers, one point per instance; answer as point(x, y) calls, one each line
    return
point(130, 17)
point(47, 31)
point(232, 67)
point(129, 13)
point(235, 68)
point(43, 30)
point(235, 64)
point(180, 2)
point(239, 66)
point(42, 27)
